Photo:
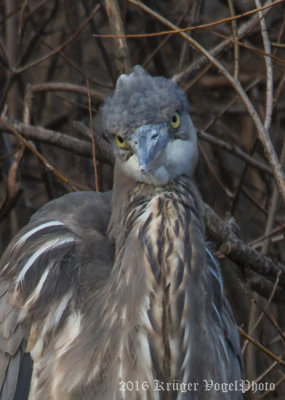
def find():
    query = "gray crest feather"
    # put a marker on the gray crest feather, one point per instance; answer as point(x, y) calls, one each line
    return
point(141, 99)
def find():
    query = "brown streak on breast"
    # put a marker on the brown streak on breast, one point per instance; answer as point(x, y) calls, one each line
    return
point(166, 329)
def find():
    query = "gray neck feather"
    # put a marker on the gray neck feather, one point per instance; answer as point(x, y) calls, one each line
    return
point(122, 185)
point(154, 276)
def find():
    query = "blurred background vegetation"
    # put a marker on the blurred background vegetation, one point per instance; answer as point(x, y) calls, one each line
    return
point(56, 66)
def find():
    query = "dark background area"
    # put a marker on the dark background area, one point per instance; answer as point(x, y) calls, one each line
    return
point(53, 70)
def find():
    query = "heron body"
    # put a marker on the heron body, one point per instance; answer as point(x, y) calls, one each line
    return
point(120, 298)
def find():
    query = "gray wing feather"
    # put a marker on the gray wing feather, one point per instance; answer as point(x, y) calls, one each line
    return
point(40, 266)
point(11, 377)
point(222, 310)
point(232, 336)
point(11, 338)
point(4, 361)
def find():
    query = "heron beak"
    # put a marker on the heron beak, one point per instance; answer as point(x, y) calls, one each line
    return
point(148, 142)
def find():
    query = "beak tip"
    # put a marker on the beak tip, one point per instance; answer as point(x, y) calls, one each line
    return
point(145, 168)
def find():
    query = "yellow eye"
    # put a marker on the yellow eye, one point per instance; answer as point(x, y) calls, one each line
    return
point(175, 121)
point(121, 142)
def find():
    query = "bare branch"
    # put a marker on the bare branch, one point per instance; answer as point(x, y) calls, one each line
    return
point(238, 251)
point(257, 322)
point(13, 186)
point(31, 90)
point(235, 36)
point(269, 71)
point(63, 141)
point(261, 347)
point(96, 184)
point(121, 49)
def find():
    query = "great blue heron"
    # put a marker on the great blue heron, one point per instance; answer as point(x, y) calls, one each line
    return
point(121, 299)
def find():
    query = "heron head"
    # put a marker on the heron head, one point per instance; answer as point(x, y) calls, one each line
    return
point(153, 135)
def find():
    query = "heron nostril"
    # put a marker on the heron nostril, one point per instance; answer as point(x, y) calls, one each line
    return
point(144, 170)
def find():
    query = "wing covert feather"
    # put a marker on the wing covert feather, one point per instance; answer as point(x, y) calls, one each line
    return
point(43, 273)
point(222, 310)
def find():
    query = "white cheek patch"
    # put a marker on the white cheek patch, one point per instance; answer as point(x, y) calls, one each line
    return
point(158, 177)
point(162, 176)
point(131, 167)
point(181, 157)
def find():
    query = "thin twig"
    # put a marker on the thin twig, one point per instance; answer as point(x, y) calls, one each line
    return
point(230, 104)
point(78, 68)
point(278, 45)
point(259, 241)
point(35, 9)
point(270, 368)
point(235, 150)
point(197, 78)
point(122, 58)
point(263, 286)
point(92, 139)
point(238, 251)
point(105, 149)
point(105, 56)
point(271, 319)
point(242, 176)
point(189, 28)
point(261, 347)
point(21, 18)
point(10, 14)
point(4, 57)
point(226, 190)
point(269, 70)
point(61, 47)
point(163, 42)
point(249, 47)
point(235, 36)
point(257, 322)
